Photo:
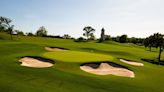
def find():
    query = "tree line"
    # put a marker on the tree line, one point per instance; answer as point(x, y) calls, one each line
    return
point(89, 34)
point(7, 27)
point(156, 40)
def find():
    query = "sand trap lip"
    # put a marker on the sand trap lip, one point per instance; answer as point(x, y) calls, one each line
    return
point(107, 68)
point(36, 62)
point(55, 49)
point(131, 62)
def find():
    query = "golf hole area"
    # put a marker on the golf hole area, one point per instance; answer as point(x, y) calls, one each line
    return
point(49, 48)
point(36, 62)
point(107, 68)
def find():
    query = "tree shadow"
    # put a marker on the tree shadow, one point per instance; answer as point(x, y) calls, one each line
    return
point(1, 38)
point(107, 52)
point(152, 50)
point(154, 61)
point(57, 47)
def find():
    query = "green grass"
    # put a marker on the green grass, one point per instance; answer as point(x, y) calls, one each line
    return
point(66, 76)
point(76, 56)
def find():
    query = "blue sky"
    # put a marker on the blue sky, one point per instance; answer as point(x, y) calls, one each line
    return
point(138, 18)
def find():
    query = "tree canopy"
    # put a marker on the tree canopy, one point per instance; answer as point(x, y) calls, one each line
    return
point(123, 39)
point(156, 40)
point(88, 31)
point(41, 31)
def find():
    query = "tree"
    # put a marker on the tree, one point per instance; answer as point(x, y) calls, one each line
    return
point(41, 31)
point(150, 42)
point(159, 42)
point(2, 24)
point(80, 39)
point(107, 37)
point(146, 42)
point(66, 36)
point(19, 32)
point(156, 40)
point(88, 31)
point(30, 34)
point(10, 29)
point(123, 39)
point(5, 25)
point(92, 37)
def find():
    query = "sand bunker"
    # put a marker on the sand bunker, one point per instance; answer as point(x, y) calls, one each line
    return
point(36, 62)
point(131, 62)
point(107, 68)
point(55, 49)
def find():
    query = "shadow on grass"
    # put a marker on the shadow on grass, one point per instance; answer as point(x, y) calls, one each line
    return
point(1, 38)
point(57, 47)
point(153, 61)
point(97, 64)
point(107, 52)
point(152, 50)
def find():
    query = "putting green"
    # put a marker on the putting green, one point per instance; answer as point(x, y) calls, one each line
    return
point(77, 56)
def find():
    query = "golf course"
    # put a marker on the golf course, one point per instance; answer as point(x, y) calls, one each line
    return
point(67, 61)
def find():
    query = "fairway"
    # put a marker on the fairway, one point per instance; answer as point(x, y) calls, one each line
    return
point(66, 76)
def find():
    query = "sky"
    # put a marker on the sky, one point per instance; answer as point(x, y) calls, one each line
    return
point(136, 18)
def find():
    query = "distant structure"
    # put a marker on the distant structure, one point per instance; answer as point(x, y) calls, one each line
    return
point(102, 34)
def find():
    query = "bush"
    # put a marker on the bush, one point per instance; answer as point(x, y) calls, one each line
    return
point(80, 39)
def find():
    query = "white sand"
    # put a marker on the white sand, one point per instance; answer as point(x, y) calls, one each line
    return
point(54, 49)
point(31, 62)
point(106, 69)
point(132, 62)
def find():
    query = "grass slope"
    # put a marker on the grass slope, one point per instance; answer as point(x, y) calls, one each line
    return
point(66, 76)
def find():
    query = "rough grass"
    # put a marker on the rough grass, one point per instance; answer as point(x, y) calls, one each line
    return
point(66, 76)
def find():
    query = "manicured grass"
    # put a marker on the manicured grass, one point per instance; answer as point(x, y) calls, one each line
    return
point(66, 76)
point(77, 56)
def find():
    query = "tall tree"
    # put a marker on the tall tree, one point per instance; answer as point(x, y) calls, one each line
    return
point(156, 40)
point(10, 29)
point(88, 31)
point(5, 25)
point(41, 31)
point(159, 42)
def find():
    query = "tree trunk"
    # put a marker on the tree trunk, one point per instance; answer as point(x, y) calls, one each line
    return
point(159, 56)
point(11, 35)
point(150, 48)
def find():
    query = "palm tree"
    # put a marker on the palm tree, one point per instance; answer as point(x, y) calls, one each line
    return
point(88, 31)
